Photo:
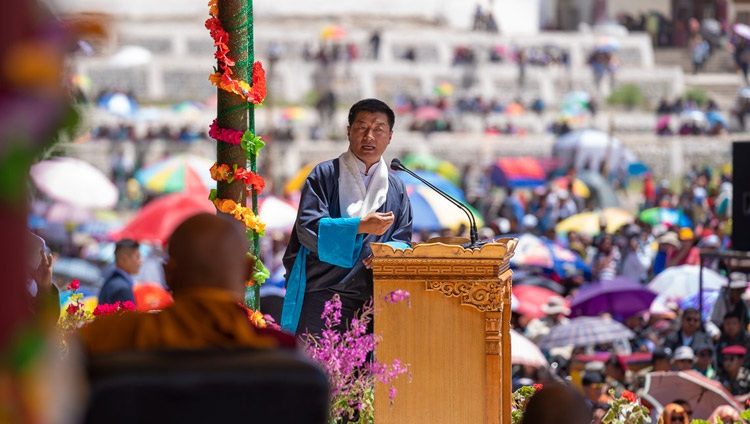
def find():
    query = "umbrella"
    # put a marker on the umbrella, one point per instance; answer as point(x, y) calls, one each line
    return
point(580, 188)
point(428, 162)
point(75, 182)
point(655, 216)
point(742, 30)
point(158, 219)
point(537, 281)
point(298, 180)
point(443, 89)
point(588, 222)
point(744, 92)
point(619, 297)
point(678, 282)
point(520, 172)
point(433, 212)
point(428, 113)
point(524, 352)
point(694, 301)
point(601, 189)
point(151, 297)
point(714, 117)
point(575, 104)
point(183, 172)
point(531, 298)
point(703, 394)
point(67, 214)
point(585, 331)
point(130, 56)
point(278, 214)
point(435, 179)
point(189, 109)
point(333, 32)
point(293, 113)
point(693, 115)
point(119, 104)
point(587, 149)
point(607, 44)
point(537, 251)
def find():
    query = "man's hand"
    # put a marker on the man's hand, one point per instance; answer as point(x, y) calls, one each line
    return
point(375, 223)
point(43, 272)
point(368, 262)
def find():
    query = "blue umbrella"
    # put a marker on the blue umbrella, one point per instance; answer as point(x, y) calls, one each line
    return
point(435, 179)
point(709, 298)
point(540, 252)
point(715, 117)
point(622, 298)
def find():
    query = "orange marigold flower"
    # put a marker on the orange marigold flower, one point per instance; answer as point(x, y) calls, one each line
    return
point(213, 7)
point(220, 172)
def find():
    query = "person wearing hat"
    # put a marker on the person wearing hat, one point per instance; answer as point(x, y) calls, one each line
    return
point(704, 360)
point(593, 388)
point(668, 243)
point(689, 334)
point(683, 358)
point(730, 300)
point(734, 376)
point(733, 334)
point(555, 312)
point(687, 253)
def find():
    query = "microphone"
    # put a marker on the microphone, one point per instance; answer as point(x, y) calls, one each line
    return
point(396, 165)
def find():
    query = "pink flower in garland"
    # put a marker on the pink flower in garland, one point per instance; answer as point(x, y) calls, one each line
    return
point(226, 135)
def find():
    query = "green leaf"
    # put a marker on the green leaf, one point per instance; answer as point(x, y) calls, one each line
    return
point(213, 194)
point(745, 415)
point(251, 143)
point(14, 169)
point(261, 273)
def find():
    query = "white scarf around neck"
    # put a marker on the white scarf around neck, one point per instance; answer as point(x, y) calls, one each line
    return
point(355, 199)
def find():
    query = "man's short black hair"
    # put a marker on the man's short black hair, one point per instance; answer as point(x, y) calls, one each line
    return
point(733, 314)
point(372, 106)
point(126, 245)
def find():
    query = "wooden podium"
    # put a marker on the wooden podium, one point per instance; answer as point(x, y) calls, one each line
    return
point(454, 334)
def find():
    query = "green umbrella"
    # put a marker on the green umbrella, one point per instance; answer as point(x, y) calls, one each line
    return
point(428, 162)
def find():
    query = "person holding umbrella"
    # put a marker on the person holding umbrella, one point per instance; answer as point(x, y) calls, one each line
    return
point(555, 312)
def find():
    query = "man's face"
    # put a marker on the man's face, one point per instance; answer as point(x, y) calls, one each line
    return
point(593, 391)
point(731, 326)
point(691, 322)
point(732, 363)
point(130, 261)
point(369, 135)
point(683, 364)
point(704, 358)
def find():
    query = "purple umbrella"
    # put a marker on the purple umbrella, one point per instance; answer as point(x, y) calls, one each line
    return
point(622, 298)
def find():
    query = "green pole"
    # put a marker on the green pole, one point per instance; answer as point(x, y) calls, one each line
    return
point(235, 112)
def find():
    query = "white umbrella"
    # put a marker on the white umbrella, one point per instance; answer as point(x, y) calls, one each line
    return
point(130, 56)
point(524, 352)
point(74, 182)
point(585, 331)
point(278, 214)
point(680, 281)
point(742, 30)
point(693, 115)
point(589, 147)
point(703, 394)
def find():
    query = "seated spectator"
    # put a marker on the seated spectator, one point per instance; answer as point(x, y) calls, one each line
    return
point(689, 333)
point(704, 360)
point(733, 334)
point(683, 358)
point(207, 270)
point(674, 413)
point(734, 376)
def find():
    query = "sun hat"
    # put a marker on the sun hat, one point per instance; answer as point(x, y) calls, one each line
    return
point(554, 306)
point(738, 280)
point(669, 238)
point(683, 352)
point(686, 234)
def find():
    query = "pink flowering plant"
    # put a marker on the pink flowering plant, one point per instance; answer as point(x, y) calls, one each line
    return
point(351, 368)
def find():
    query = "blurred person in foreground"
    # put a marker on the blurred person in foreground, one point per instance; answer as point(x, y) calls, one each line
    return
point(726, 414)
point(118, 282)
point(346, 204)
point(673, 413)
point(207, 270)
point(557, 403)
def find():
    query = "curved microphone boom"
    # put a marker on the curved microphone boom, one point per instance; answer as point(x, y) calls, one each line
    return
point(396, 165)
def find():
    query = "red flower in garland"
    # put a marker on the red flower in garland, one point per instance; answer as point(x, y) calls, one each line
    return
point(72, 309)
point(74, 285)
point(538, 387)
point(629, 396)
point(258, 93)
point(251, 179)
point(127, 306)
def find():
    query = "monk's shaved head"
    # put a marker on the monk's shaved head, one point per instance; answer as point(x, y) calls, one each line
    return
point(208, 250)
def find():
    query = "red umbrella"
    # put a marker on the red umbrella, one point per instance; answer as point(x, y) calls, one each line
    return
point(151, 297)
point(703, 394)
point(531, 299)
point(158, 218)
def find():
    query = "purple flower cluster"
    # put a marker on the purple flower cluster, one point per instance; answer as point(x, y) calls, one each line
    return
point(397, 296)
point(346, 358)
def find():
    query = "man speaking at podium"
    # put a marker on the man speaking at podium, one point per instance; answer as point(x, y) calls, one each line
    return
point(346, 204)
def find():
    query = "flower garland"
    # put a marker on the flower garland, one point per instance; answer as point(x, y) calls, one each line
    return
point(241, 213)
point(222, 78)
point(224, 173)
point(249, 142)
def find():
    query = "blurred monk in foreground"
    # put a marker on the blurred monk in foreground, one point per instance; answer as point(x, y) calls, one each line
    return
point(207, 270)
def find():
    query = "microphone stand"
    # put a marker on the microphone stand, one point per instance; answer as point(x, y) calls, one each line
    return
point(396, 165)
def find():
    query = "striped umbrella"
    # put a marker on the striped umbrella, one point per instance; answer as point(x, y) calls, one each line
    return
point(521, 172)
point(585, 331)
point(178, 173)
point(431, 211)
point(541, 252)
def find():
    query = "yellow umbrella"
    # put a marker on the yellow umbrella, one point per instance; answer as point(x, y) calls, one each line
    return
point(580, 188)
point(588, 222)
point(295, 183)
point(333, 32)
